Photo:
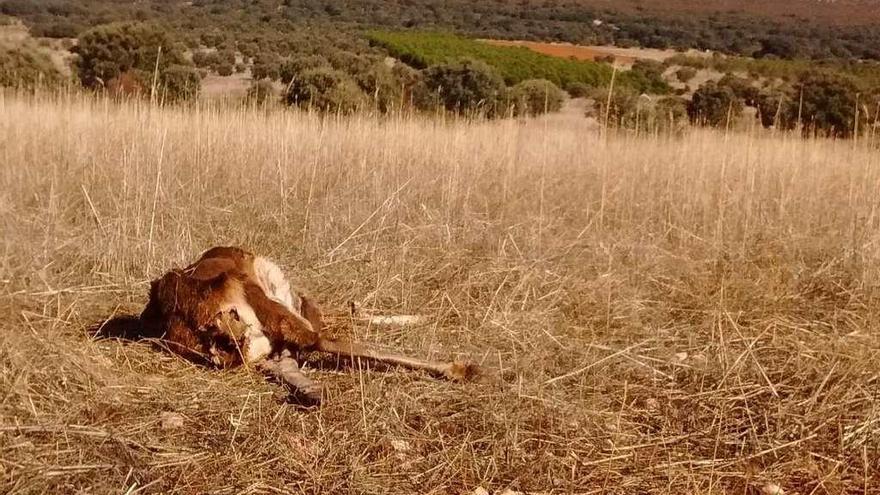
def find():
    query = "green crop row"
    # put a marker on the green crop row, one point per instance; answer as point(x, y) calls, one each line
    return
point(515, 64)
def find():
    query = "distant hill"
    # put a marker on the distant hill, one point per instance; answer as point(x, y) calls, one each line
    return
point(839, 12)
point(787, 29)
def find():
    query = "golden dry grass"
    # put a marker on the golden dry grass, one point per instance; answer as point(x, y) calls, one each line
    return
point(655, 315)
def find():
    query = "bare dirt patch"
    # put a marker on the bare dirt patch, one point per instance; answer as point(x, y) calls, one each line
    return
point(234, 86)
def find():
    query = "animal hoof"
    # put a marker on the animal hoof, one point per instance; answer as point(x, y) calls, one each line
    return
point(312, 395)
point(459, 371)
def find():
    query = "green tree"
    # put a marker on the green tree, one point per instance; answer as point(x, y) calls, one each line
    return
point(578, 90)
point(825, 103)
point(414, 92)
point(179, 82)
point(23, 67)
point(685, 74)
point(648, 76)
point(204, 58)
point(266, 66)
point(536, 96)
point(326, 90)
point(670, 113)
point(294, 66)
point(260, 91)
point(466, 85)
point(107, 51)
point(225, 69)
point(632, 110)
point(713, 104)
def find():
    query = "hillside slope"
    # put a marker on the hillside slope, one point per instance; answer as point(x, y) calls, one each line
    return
point(841, 12)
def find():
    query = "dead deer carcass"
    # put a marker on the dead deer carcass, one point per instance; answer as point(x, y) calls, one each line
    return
point(232, 308)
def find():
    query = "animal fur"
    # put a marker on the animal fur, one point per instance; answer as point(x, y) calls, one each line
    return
point(232, 308)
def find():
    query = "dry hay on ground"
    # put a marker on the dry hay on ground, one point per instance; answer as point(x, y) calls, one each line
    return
point(218, 87)
point(658, 315)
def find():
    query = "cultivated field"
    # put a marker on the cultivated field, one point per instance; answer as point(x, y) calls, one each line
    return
point(622, 56)
point(694, 314)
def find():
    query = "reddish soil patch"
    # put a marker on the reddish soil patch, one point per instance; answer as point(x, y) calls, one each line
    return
point(565, 50)
point(622, 56)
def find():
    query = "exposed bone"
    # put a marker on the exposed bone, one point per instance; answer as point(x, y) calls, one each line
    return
point(398, 320)
point(287, 370)
point(452, 371)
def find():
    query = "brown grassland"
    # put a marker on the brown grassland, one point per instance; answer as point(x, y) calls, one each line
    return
point(691, 314)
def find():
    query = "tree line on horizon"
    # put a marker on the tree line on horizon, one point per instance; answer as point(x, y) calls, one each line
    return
point(339, 70)
point(735, 33)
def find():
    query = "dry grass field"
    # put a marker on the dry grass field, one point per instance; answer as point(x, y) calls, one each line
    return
point(695, 314)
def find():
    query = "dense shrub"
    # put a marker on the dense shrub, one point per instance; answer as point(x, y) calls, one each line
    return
point(26, 67)
point(59, 29)
point(536, 96)
point(226, 56)
point(179, 82)
point(214, 38)
point(826, 103)
point(779, 46)
point(465, 86)
point(327, 90)
point(205, 58)
point(578, 90)
point(107, 51)
point(380, 84)
point(295, 65)
point(670, 112)
point(647, 76)
point(248, 48)
point(715, 105)
point(136, 50)
point(261, 91)
point(266, 66)
point(685, 74)
point(353, 63)
point(620, 108)
point(414, 91)
point(769, 102)
point(225, 69)
point(628, 109)
point(20, 7)
point(744, 89)
point(771, 107)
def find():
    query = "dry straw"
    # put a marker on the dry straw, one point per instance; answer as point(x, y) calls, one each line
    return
point(693, 314)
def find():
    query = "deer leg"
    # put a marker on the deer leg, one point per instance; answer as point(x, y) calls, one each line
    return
point(354, 350)
point(285, 369)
